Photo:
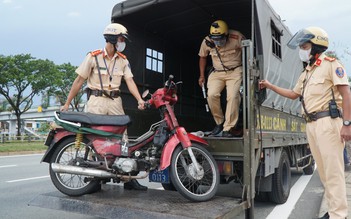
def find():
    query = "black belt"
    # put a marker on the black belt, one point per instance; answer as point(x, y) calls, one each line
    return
point(314, 116)
point(100, 93)
point(229, 69)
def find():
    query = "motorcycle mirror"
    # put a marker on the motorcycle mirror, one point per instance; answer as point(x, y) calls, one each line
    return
point(145, 93)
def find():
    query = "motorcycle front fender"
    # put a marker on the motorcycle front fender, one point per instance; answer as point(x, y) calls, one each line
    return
point(171, 144)
point(58, 135)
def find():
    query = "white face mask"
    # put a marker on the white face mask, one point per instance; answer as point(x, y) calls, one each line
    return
point(305, 55)
point(120, 46)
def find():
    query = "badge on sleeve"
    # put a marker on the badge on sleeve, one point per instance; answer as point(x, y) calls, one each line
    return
point(340, 72)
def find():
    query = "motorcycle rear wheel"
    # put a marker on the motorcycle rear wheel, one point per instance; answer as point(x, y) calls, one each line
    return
point(72, 184)
point(195, 186)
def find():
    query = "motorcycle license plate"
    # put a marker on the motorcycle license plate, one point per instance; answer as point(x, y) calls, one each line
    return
point(159, 176)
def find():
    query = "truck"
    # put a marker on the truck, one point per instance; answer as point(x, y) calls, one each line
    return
point(168, 34)
point(165, 39)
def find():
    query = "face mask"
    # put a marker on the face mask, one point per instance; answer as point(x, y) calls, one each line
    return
point(220, 43)
point(120, 46)
point(305, 55)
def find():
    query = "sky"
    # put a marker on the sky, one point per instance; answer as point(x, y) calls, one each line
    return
point(333, 16)
point(64, 31)
point(59, 30)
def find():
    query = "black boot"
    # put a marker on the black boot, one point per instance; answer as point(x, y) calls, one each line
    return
point(217, 129)
point(134, 184)
point(325, 216)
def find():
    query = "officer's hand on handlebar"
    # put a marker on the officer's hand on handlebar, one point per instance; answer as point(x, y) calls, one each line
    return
point(141, 104)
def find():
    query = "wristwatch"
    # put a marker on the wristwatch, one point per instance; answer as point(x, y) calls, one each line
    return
point(347, 123)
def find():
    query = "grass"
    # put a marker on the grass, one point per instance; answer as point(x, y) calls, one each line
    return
point(19, 146)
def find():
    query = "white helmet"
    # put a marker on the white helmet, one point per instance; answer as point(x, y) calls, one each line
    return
point(113, 31)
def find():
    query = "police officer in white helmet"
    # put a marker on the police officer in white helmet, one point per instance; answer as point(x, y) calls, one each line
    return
point(325, 96)
point(103, 69)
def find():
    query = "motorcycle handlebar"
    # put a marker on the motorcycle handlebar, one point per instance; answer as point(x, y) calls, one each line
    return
point(147, 105)
point(168, 82)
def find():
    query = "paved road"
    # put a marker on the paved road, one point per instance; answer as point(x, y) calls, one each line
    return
point(23, 178)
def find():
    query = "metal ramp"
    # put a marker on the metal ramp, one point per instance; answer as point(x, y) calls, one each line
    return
point(115, 202)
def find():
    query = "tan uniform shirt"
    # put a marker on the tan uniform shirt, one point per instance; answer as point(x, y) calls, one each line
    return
point(118, 67)
point(316, 82)
point(230, 54)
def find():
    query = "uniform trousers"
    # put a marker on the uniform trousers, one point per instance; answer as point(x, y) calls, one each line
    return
point(105, 106)
point(216, 83)
point(327, 150)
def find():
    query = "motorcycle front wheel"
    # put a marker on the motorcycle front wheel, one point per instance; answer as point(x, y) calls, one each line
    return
point(195, 185)
point(67, 153)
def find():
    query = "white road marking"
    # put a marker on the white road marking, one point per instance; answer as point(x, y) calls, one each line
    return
point(8, 166)
point(26, 179)
point(283, 211)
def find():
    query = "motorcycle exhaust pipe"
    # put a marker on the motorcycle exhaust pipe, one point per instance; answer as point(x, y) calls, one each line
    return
point(60, 168)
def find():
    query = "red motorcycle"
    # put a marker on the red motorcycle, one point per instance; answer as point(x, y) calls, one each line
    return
point(87, 150)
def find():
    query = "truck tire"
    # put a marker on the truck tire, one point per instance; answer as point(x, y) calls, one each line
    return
point(310, 168)
point(71, 184)
point(195, 186)
point(262, 196)
point(281, 180)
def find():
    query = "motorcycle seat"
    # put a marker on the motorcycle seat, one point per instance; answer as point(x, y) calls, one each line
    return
point(95, 119)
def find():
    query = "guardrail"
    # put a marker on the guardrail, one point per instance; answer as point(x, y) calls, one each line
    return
point(24, 138)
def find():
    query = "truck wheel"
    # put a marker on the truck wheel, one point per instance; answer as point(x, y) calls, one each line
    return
point(310, 168)
point(262, 196)
point(281, 180)
point(194, 185)
point(71, 184)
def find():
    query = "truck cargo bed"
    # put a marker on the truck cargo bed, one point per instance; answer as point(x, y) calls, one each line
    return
point(115, 202)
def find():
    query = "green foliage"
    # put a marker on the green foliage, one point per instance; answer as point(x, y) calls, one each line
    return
point(19, 146)
point(44, 127)
point(23, 77)
point(63, 82)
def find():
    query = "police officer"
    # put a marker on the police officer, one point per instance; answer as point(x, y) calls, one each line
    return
point(103, 69)
point(224, 46)
point(325, 97)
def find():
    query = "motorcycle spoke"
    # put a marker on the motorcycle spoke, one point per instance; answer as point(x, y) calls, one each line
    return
point(69, 156)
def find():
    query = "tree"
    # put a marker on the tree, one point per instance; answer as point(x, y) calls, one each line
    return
point(63, 82)
point(23, 77)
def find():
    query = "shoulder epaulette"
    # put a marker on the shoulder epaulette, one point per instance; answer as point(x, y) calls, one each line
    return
point(234, 36)
point(121, 55)
point(330, 59)
point(96, 52)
